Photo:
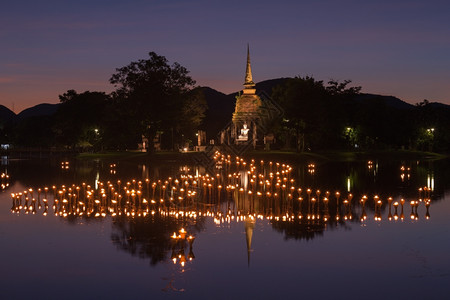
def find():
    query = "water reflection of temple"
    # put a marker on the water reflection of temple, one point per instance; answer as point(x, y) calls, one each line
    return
point(146, 212)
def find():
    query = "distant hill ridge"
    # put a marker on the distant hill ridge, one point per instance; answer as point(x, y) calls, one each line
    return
point(220, 105)
point(388, 100)
point(268, 85)
point(43, 109)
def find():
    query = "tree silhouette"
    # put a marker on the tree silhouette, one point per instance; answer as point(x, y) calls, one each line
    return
point(78, 121)
point(158, 96)
point(315, 114)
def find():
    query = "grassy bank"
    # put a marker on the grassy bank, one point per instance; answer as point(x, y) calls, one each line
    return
point(163, 156)
point(112, 155)
point(169, 156)
point(345, 156)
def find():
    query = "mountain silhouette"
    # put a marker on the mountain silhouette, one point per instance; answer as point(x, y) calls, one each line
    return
point(390, 101)
point(219, 111)
point(220, 106)
point(44, 109)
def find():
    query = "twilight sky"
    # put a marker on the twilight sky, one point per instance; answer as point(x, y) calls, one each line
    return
point(389, 47)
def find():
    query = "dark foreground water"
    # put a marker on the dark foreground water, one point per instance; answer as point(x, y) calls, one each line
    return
point(254, 230)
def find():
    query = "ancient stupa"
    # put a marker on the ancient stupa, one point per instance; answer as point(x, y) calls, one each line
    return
point(247, 110)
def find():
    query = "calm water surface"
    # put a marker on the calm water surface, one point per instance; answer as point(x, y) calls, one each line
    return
point(246, 236)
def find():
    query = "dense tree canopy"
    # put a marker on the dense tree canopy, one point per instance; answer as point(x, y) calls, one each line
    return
point(79, 119)
point(151, 97)
point(315, 114)
point(334, 116)
point(159, 96)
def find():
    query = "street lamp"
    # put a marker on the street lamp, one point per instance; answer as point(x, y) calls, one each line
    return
point(430, 132)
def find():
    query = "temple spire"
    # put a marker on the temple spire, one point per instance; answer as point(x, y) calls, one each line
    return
point(248, 71)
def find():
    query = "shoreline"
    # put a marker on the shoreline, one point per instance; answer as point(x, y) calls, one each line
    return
point(172, 156)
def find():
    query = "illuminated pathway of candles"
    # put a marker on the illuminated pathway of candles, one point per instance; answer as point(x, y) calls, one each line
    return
point(239, 190)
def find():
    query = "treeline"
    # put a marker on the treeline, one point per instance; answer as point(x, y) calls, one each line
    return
point(153, 102)
point(334, 116)
point(158, 103)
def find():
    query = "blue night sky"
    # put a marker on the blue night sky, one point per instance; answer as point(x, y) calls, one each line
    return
point(399, 48)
